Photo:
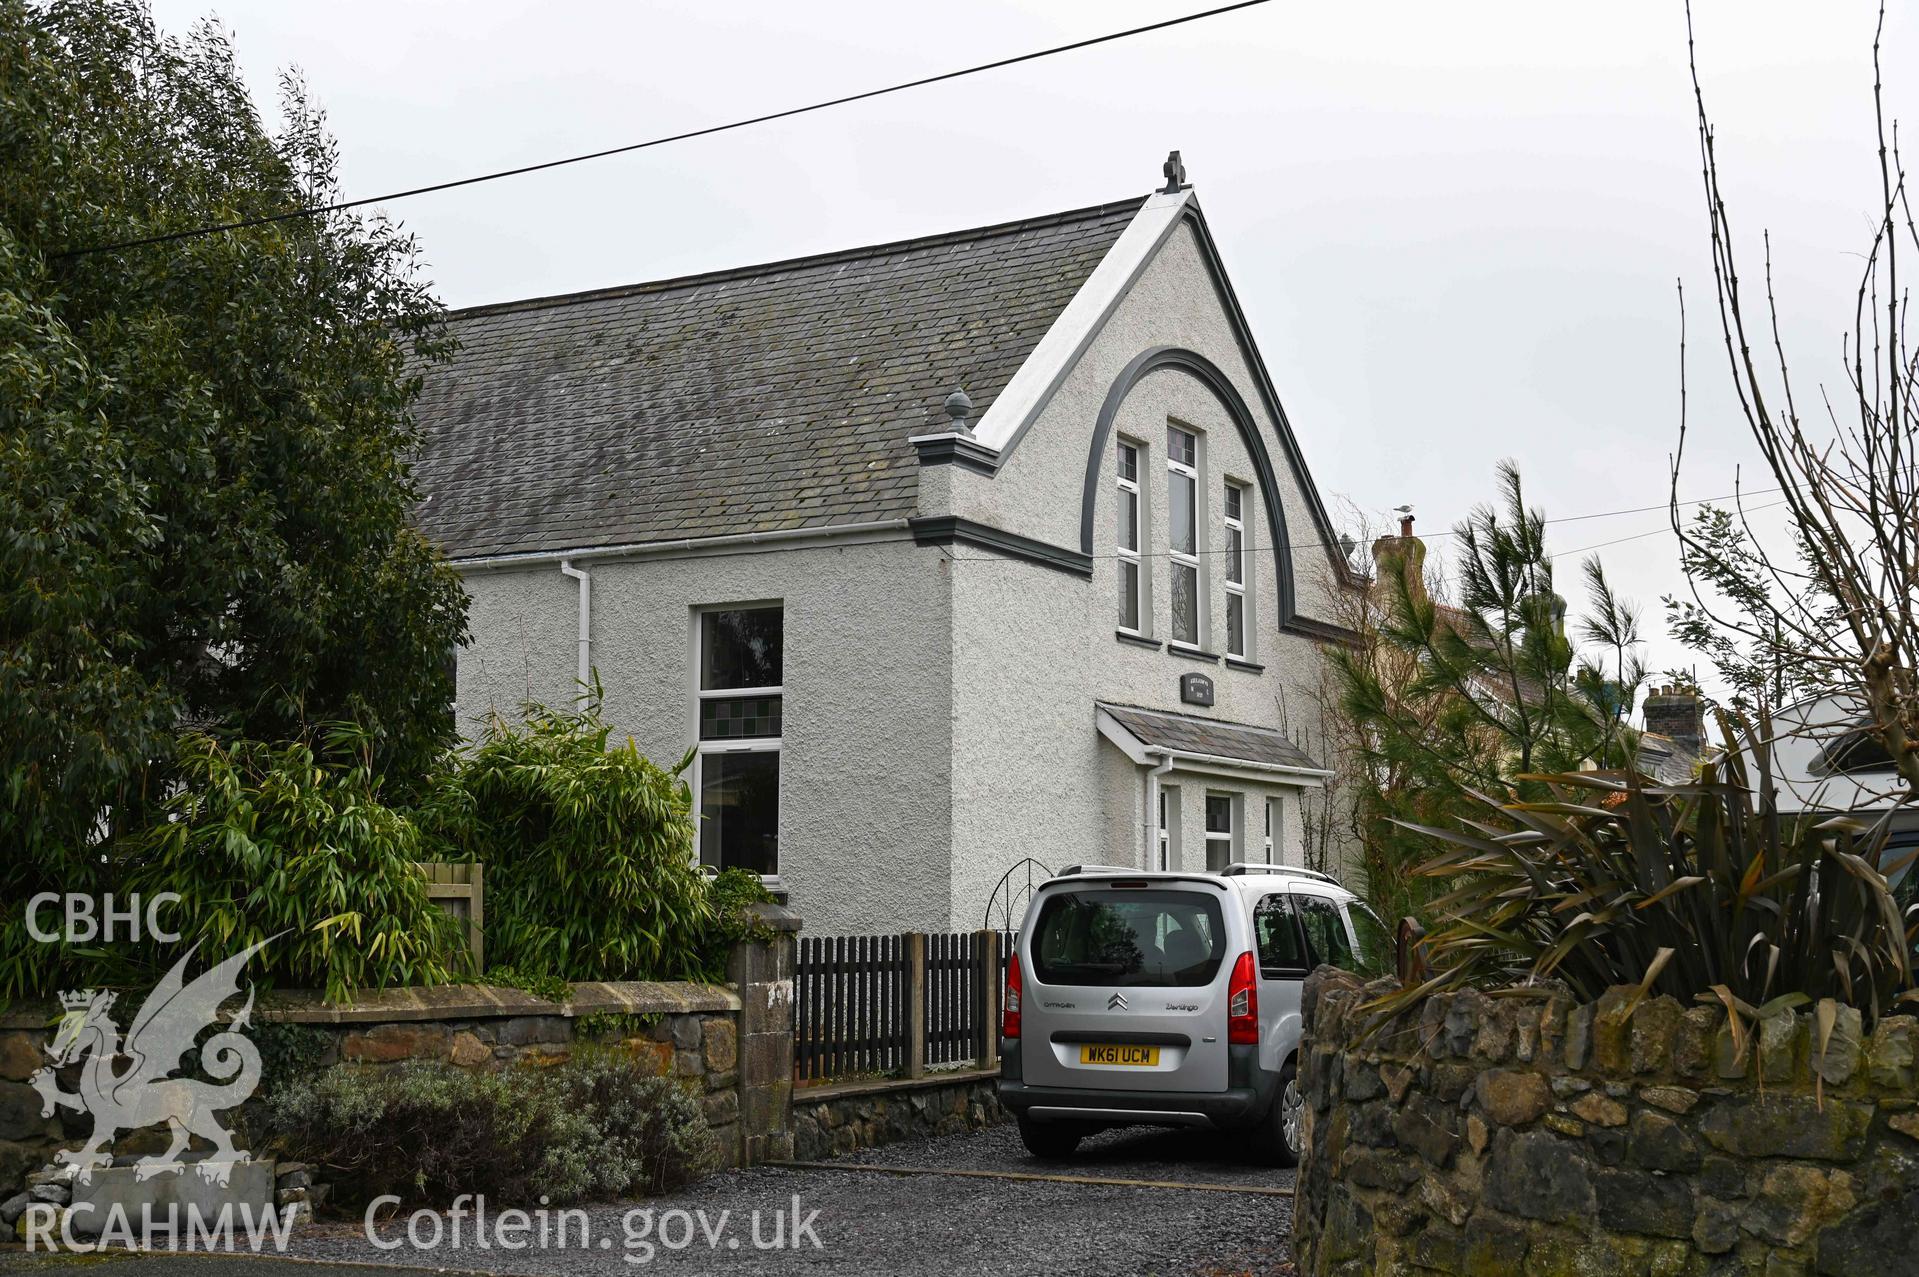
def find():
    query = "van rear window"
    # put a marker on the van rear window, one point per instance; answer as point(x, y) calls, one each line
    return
point(1127, 938)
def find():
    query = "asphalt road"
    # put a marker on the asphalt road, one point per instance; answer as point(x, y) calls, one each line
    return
point(849, 1221)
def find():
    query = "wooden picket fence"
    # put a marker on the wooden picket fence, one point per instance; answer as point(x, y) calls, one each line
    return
point(898, 1004)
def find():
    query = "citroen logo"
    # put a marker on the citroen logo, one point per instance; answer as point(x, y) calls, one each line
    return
point(1116, 1003)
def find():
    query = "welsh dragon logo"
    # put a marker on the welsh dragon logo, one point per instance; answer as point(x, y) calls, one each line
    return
point(141, 1092)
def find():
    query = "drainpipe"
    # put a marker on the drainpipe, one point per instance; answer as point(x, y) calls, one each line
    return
point(1164, 765)
point(586, 627)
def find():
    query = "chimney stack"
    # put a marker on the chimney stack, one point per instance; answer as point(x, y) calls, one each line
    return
point(1408, 552)
point(1676, 712)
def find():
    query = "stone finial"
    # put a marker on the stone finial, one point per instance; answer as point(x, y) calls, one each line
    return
point(959, 406)
point(1175, 171)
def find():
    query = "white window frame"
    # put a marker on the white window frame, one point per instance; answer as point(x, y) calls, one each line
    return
point(1179, 558)
point(1129, 491)
point(1225, 838)
point(744, 745)
point(1170, 840)
point(1236, 559)
point(1269, 829)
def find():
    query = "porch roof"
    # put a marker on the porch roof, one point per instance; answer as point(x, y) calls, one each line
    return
point(1153, 731)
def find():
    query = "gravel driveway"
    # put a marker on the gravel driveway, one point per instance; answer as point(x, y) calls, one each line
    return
point(869, 1222)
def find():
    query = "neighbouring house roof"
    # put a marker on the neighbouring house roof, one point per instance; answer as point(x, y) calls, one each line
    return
point(1665, 759)
point(760, 399)
point(1158, 729)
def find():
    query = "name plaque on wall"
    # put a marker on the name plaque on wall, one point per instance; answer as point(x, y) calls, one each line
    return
point(1195, 689)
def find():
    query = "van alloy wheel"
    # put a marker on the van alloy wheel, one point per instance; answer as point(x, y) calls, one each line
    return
point(1292, 1115)
point(1281, 1134)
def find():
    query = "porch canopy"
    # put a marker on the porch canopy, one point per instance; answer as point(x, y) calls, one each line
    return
point(1207, 744)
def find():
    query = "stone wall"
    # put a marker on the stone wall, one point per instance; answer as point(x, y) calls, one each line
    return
point(843, 1118)
point(1525, 1134)
point(26, 1138)
point(684, 1031)
point(731, 1043)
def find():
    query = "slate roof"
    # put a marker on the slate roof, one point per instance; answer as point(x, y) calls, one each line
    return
point(1162, 730)
point(750, 400)
point(1666, 760)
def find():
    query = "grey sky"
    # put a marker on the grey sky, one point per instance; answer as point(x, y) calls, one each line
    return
point(1455, 228)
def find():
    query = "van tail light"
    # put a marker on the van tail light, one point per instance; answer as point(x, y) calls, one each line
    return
point(1242, 1003)
point(1009, 1011)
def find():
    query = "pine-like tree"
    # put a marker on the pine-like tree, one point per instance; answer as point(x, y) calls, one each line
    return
point(1445, 700)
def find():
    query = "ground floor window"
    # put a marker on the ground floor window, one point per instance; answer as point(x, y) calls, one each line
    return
point(741, 720)
point(740, 810)
point(1219, 831)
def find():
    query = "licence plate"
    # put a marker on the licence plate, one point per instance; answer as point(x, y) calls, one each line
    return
point(1139, 1057)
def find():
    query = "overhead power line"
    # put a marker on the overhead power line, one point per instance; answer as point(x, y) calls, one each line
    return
point(1667, 528)
point(317, 210)
point(1297, 547)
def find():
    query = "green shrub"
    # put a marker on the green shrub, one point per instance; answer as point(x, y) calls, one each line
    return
point(551, 987)
point(735, 892)
point(592, 1128)
point(1691, 890)
point(289, 1052)
point(262, 840)
point(601, 1025)
point(588, 852)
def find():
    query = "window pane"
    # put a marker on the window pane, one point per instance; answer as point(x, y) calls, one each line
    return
point(740, 811)
point(739, 717)
point(741, 648)
point(1185, 602)
point(1235, 625)
point(1325, 933)
point(1128, 937)
point(1179, 446)
point(1128, 595)
point(1232, 501)
point(1378, 954)
point(1276, 934)
point(1179, 514)
point(1128, 462)
point(1904, 879)
point(1235, 566)
point(1128, 520)
point(1219, 814)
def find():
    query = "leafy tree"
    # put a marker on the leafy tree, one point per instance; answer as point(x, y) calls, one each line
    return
point(205, 490)
point(1831, 609)
point(1450, 701)
point(1763, 665)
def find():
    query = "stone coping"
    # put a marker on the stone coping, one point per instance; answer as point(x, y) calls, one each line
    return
point(889, 1085)
point(777, 917)
point(459, 1002)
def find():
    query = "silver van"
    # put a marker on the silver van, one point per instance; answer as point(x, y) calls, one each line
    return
point(1170, 999)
